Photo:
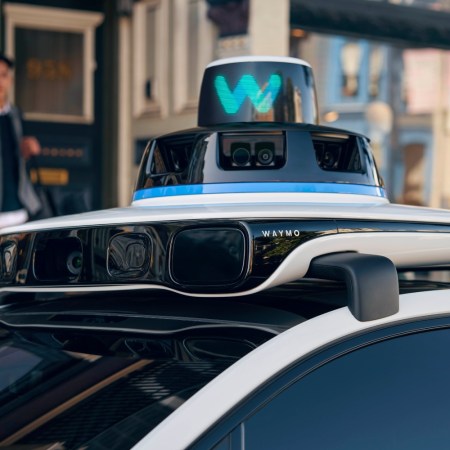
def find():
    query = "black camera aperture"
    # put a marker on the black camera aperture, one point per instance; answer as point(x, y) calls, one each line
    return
point(74, 262)
point(331, 156)
point(241, 154)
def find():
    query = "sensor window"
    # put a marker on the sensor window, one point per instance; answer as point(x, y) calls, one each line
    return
point(129, 255)
point(252, 151)
point(208, 256)
point(339, 153)
point(168, 161)
point(59, 260)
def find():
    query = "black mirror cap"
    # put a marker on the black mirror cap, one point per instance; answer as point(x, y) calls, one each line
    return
point(371, 281)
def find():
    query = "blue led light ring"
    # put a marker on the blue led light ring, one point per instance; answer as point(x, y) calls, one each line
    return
point(235, 188)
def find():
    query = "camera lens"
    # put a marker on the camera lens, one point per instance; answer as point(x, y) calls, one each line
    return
point(265, 156)
point(241, 156)
point(330, 157)
point(328, 160)
point(74, 262)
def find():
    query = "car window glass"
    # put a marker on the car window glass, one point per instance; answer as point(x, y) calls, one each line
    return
point(91, 390)
point(224, 444)
point(390, 395)
point(19, 364)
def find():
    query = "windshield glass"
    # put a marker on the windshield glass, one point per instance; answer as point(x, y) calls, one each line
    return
point(76, 389)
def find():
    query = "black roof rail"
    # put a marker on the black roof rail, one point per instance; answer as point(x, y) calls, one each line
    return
point(371, 281)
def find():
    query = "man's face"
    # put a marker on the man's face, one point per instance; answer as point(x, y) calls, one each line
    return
point(5, 82)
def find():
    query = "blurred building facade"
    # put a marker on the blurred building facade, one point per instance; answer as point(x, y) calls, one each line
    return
point(96, 79)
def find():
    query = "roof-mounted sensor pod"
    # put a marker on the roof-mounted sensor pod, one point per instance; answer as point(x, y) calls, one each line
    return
point(258, 140)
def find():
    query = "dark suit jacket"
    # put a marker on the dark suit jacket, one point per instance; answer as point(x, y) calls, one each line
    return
point(27, 194)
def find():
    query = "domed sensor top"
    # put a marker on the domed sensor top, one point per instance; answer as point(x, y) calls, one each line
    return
point(257, 89)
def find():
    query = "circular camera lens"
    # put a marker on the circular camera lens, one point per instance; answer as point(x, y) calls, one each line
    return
point(265, 156)
point(328, 160)
point(241, 156)
point(74, 262)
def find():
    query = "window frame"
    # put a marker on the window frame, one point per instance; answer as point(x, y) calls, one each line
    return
point(158, 104)
point(233, 424)
point(58, 20)
point(359, 102)
point(207, 36)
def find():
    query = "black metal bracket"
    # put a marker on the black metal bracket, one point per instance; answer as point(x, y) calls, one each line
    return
point(371, 280)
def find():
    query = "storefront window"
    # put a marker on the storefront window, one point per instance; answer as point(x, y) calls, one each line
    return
point(49, 72)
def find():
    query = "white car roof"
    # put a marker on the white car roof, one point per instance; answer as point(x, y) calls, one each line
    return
point(247, 206)
point(217, 398)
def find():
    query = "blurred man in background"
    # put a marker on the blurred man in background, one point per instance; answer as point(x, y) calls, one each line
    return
point(18, 200)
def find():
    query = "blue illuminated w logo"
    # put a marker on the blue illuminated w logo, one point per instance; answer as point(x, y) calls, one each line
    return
point(262, 99)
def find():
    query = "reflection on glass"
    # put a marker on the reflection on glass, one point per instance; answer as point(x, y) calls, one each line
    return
point(49, 72)
point(65, 390)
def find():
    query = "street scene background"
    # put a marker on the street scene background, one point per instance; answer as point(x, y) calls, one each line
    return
point(96, 79)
